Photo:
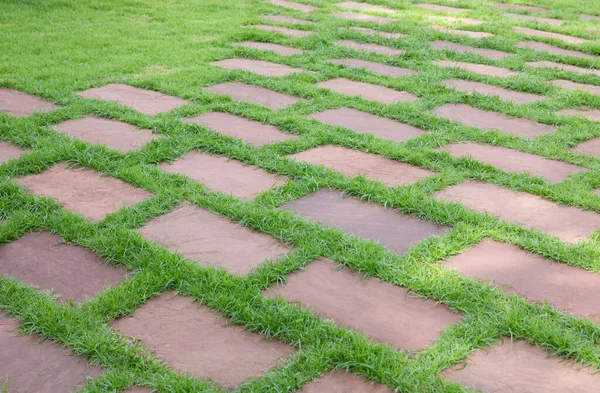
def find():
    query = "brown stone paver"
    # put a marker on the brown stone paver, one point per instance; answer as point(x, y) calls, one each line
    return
point(592, 89)
point(441, 8)
point(283, 30)
point(591, 114)
point(567, 223)
point(354, 5)
point(46, 261)
point(483, 88)
point(193, 340)
point(251, 131)
point(366, 90)
point(148, 102)
point(383, 311)
point(460, 48)
point(259, 95)
point(83, 190)
point(492, 120)
point(267, 46)
point(586, 16)
point(396, 231)
point(211, 239)
point(30, 365)
point(362, 17)
point(340, 382)
point(472, 34)
point(137, 389)
point(293, 5)
point(377, 68)
point(550, 21)
point(260, 67)
point(538, 279)
point(8, 151)
point(112, 133)
point(17, 103)
point(566, 67)
point(466, 21)
point(360, 121)
point(366, 47)
point(517, 366)
point(520, 7)
point(591, 147)
point(548, 34)
point(283, 18)
point(514, 161)
point(541, 46)
point(483, 69)
point(224, 175)
point(385, 34)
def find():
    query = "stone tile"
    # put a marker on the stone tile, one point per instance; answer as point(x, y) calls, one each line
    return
point(465, 21)
point(259, 95)
point(567, 223)
point(460, 48)
point(585, 16)
point(591, 114)
point(292, 5)
point(34, 366)
point(283, 30)
point(193, 340)
point(112, 133)
point(566, 67)
point(17, 103)
point(383, 311)
point(366, 47)
point(592, 89)
point(251, 131)
point(384, 34)
point(260, 67)
point(360, 121)
point(538, 279)
point(471, 34)
point(547, 34)
point(362, 17)
point(212, 239)
point(145, 101)
point(478, 68)
point(268, 46)
point(553, 49)
point(441, 8)
point(283, 18)
point(377, 68)
point(492, 120)
point(8, 151)
point(550, 21)
point(340, 382)
point(396, 231)
point(83, 190)
point(591, 147)
point(224, 175)
point(510, 160)
point(520, 7)
point(483, 88)
point(354, 162)
point(366, 90)
point(353, 5)
point(531, 370)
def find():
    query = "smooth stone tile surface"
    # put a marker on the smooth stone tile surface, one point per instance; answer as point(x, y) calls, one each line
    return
point(260, 67)
point(590, 147)
point(541, 46)
point(483, 88)
point(566, 67)
point(362, 17)
point(385, 34)
point(550, 21)
point(8, 151)
point(592, 89)
point(267, 46)
point(472, 34)
point(283, 18)
point(547, 34)
point(259, 95)
point(354, 5)
point(283, 30)
point(366, 90)
point(293, 5)
point(478, 68)
point(460, 48)
point(375, 48)
point(17, 103)
point(340, 382)
point(591, 114)
point(377, 68)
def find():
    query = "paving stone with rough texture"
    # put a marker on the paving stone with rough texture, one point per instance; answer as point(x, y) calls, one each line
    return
point(591, 114)
point(383, 311)
point(148, 102)
point(46, 261)
point(292, 5)
point(550, 21)
point(259, 95)
point(362, 17)
point(396, 231)
point(472, 34)
point(531, 370)
point(385, 34)
point(283, 30)
point(591, 147)
point(34, 366)
point(483, 69)
point(483, 88)
point(83, 190)
point(541, 46)
point(441, 8)
point(520, 7)
point(353, 5)
point(565, 222)
point(260, 67)
point(17, 103)
point(460, 48)
point(224, 175)
point(548, 34)
point(514, 161)
point(212, 239)
point(283, 18)
point(366, 90)
point(268, 46)
point(360, 121)
point(366, 47)
point(566, 67)
point(592, 89)
point(340, 382)
point(193, 340)
point(377, 68)
point(251, 131)
point(8, 151)
point(112, 133)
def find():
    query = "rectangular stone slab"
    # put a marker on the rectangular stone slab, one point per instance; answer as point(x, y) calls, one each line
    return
point(283, 18)
point(396, 231)
point(472, 34)
point(17, 103)
point(340, 382)
point(586, 16)
point(193, 340)
point(566, 67)
point(590, 114)
point(568, 223)
point(547, 34)
point(9, 151)
point(260, 67)
point(541, 46)
point(365, 47)
point(483, 88)
point(483, 69)
point(366, 90)
point(385, 34)
point(591, 147)
point(283, 30)
point(293, 5)
point(268, 46)
point(441, 8)
point(550, 21)
point(520, 7)
point(354, 5)
point(460, 48)
point(362, 17)
point(259, 95)
point(377, 68)
point(566, 84)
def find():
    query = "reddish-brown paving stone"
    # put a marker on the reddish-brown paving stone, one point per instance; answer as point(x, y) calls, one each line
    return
point(566, 67)
point(547, 34)
point(245, 92)
point(283, 30)
point(520, 7)
point(362, 17)
point(115, 134)
point(567, 223)
point(441, 8)
point(586, 16)
point(591, 114)
point(83, 190)
point(260, 67)
point(483, 88)
point(277, 48)
point(145, 101)
point(353, 5)
point(530, 369)
point(541, 46)
point(532, 276)
point(192, 339)
point(472, 34)
point(340, 382)
point(385, 34)
point(377, 68)
point(211, 239)
point(375, 48)
point(550, 21)
point(592, 89)
point(394, 230)
point(138, 389)
point(366, 90)
point(491, 53)
point(293, 6)
point(514, 161)
point(591, 147)
point(223, 174)
point(354, 162)
point(251, 131)
point(466, 21)
point(360, 121)
point(383, 311)
point(8, 151)
point(483, 69)
point(283, 18)
point(46, 261)
point(34, 366)
point(492, 120)
point(17, 103)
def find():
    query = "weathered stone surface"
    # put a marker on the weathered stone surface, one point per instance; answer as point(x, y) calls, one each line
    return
point(268, 46)
point(366, 90)
point(17, 103)
point(592, 89)
point(483, 88)
point(483, 69)
point(259, 95)
point(261, 67)
point(377, 68)
point(8, 151)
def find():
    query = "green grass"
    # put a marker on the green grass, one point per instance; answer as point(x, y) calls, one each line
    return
point(54, 48)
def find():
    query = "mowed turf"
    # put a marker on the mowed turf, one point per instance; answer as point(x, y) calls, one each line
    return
point(56, 49)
